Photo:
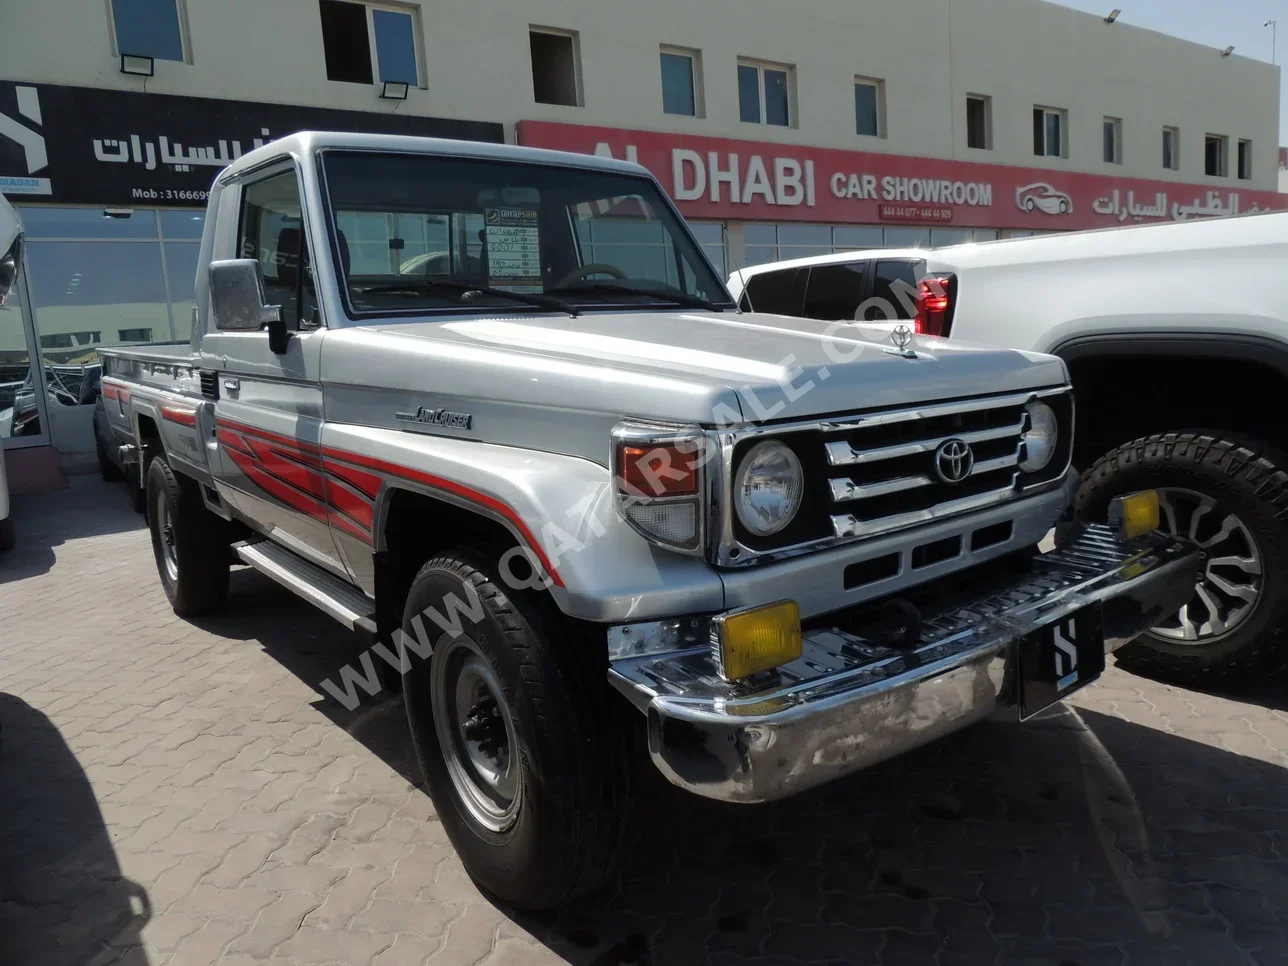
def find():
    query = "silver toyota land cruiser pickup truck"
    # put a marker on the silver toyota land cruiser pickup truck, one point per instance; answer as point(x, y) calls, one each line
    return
point(492, 408)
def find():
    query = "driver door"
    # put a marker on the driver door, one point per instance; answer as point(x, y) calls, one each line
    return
point(268, 417)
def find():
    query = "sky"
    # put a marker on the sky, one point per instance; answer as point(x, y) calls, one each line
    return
point(1217, 23)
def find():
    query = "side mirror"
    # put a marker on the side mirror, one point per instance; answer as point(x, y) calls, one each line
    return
point(237, 300)
point(9, 262)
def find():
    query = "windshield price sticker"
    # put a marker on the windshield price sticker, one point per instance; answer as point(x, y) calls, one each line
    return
point(513, 249)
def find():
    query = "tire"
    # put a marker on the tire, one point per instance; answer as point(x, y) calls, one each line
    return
point(567, 750)
point(1244, 481)
point(7, 537)
point(189, 542)
point(107, 469)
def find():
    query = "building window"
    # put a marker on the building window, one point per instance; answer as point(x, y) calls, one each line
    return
point(869, 107)
point(1171, 149)
point(556, 76)
point(979, 122)
point(134, 335)
point(1113, 128)
point(681, 81)
point(1048, 132)
point(1245, 160)
point(366, 44)
point(148, 28)
point(1216, 151)
point(764, 93)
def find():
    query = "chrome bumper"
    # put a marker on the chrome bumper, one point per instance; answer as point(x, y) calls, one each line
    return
point(848, 703)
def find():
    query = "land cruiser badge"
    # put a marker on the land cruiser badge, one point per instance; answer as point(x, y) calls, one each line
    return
point(435, 417)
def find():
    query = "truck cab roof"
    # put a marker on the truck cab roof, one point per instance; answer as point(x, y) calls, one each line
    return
point(305, 143)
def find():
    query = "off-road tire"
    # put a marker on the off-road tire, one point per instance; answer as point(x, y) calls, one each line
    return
point(7, 537)
point(200, 584)
point(1247, 477)
point(575, 800)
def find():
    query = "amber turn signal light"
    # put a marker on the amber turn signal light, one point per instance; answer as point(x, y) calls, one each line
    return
point(1135, 514)
point(746, 642)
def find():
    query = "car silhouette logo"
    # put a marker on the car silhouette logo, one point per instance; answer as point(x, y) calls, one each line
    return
point(954, 460)
point(1041, 196)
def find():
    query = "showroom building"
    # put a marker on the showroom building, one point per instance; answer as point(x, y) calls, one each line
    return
point(779, 131)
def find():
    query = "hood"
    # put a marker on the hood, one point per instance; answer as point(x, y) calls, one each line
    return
point(705, 367)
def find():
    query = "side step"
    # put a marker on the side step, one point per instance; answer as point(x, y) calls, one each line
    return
point(331, 595)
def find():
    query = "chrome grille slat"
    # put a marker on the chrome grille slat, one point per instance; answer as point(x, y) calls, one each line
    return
point(844, 489)
point(847, 525)
point(842, 453)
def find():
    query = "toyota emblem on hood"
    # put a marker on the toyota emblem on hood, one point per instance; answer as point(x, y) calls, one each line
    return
point(954, 460)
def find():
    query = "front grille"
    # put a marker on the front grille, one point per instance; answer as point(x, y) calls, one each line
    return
point(882, 474)
point(876, 473)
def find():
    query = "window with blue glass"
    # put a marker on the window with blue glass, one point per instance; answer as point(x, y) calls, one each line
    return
point(364, 43)
point(869, 107)
point(148, 28)
point(680, 82)
point(764, 93)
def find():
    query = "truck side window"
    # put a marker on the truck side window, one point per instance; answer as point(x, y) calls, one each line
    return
point(781, 292)
point(271, 231)
point(835, 291)
point(894, 291)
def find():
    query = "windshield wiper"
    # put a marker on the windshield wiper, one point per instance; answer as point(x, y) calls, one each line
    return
point(423, 286)
point(676, 297)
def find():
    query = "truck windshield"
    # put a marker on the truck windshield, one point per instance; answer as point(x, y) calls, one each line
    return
point(412, 233)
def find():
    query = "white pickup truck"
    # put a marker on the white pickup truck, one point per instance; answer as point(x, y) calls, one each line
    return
point(491, 408)
point(1176, 338)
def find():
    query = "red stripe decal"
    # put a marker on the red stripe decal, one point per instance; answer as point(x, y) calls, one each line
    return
point(227, 430)
point(342, 498)
point(456, 489)
point(271, 484)
point(179, 414)
point(368, 484)
point(273, 460)
point(341, 522)
point(232, 441)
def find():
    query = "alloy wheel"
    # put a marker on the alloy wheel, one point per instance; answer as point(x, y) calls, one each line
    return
point(1229, 584)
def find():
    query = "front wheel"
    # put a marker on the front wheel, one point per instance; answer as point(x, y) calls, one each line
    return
point(512, 718)
point(189, 542)
point(1224, 496)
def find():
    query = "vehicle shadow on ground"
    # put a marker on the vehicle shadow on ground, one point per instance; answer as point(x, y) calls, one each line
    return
point(63, 899)
point(1078, 838)
point(45, 521)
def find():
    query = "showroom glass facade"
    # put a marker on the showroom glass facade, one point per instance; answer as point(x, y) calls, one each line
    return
point(94, 277)
point(763, 243)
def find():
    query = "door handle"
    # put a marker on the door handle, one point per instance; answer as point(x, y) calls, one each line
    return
point(232, 386)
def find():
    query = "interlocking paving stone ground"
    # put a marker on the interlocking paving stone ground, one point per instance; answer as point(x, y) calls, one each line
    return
point(182, 792)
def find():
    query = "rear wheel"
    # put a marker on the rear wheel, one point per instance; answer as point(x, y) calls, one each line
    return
point(1226, 496)
point(513, 724)
point(189, 542)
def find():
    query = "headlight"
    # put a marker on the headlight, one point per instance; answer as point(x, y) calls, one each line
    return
point(768, 487)
point(1039, 439)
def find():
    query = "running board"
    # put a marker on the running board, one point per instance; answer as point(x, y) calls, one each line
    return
point(328, 593)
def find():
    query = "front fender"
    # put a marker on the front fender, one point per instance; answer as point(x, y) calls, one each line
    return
point(559, 506)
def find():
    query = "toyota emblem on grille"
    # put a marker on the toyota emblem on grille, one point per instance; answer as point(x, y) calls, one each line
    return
point(954, 460)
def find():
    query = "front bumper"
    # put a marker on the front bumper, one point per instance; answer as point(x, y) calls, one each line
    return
point(849, 703)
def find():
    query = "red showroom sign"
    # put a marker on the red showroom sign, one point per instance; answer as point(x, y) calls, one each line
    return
point(725, 178)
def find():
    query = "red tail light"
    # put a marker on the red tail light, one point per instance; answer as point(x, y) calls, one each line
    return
point(935, 304)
